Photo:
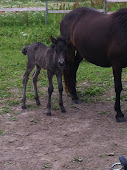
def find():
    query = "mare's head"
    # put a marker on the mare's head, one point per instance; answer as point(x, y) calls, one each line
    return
point(60, 47)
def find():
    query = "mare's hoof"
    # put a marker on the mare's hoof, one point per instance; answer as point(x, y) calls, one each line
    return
point(23, 107)
point(75, 101)
point(121, 119)
point(37, 101)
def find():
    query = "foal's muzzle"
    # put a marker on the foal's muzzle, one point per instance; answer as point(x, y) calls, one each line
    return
point(61, 63)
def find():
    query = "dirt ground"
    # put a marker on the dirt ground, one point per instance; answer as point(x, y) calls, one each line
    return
point(86, 137)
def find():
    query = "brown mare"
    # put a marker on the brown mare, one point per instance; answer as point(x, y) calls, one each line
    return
point(99, 38)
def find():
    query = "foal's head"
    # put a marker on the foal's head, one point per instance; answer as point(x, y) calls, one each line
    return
point(60, 47)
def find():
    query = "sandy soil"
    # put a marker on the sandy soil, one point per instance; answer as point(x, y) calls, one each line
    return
point(86, 137)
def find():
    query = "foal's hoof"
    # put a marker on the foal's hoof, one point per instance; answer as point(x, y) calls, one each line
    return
point(23, 107)
point(76, 101)
point(121, 119)
point(38, 103)
point(63, 110)
point(48, 113)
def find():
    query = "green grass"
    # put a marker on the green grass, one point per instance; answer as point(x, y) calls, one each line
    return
point(5, 109)
point(12, 119)
point(19, 29)
point(93, 81)
point(1, 132)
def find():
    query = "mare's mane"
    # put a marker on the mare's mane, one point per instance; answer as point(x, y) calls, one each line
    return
point(121, 18)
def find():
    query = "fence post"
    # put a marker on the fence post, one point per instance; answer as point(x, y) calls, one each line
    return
point(46, 16)
point(105, 7)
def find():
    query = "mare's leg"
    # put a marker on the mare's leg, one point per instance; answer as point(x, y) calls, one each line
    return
point(70, 76)
point(25, 80)
point(117, 71)
point(60, 88)
point(50, 90)
point(35, 76)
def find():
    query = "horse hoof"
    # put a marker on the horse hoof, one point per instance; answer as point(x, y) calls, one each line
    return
point(38, 103)
point(75, 101)
point(63, 110)
point(48, 113)
point(23, 107)
point(120, 119)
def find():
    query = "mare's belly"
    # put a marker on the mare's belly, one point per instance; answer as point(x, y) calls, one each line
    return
point(99, 61)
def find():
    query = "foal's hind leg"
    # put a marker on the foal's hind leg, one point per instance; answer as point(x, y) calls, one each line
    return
point(60, 88)
point(118, 88)
point(50, 90)
point(25, 80)
point(35, 76)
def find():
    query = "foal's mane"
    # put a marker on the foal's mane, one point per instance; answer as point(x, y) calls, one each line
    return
point(121, 18)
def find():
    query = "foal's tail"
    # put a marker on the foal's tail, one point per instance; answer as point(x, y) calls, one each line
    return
point(24, 50)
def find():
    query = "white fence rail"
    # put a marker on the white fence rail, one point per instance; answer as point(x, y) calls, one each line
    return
point(22, 9)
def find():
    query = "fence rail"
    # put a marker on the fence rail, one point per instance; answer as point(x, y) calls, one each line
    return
point(111, 1)
point(22, 9)
point(54, 11)
point(116, 0)
point(37, 9)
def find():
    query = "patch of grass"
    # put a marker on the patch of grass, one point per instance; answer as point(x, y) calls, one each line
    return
point(34, 120)
point(46, 166)
point(31, 106)
point(124, 97)
point(16, 113)
point(93, 81)
point(13, 102)
point(103, 112)
point(111, 98)
point(55, 103)
point(123, 130)
point(77, 159)
point(91, 93)
point(5, 109)
point(103, 156)
point(91, 74)
point(1, 132)
point(12, 119)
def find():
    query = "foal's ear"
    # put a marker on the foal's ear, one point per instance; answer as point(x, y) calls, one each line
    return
point(53, 40)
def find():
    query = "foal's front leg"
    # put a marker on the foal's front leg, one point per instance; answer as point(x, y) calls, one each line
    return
point(50, 90)
point(118, 88)
point(60, 88)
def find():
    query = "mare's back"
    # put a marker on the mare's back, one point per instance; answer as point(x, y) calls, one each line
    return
point(71, 19)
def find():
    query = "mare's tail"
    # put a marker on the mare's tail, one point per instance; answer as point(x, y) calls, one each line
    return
point(24, 50)
point(69, 75)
